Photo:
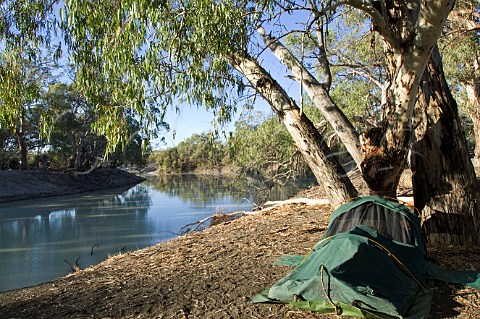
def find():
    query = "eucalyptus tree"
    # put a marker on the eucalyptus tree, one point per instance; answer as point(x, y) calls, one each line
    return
point(24, 27)
point(20, 88)
point(150, 55)
point(201, 151)
point(163, 51)
point(8, 149)
point(261, 147)
point(445, 187)
point(67, 118)
point(176, 47)
point(460, 47)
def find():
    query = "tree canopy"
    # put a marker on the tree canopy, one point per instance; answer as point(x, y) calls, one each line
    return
point(144, 58)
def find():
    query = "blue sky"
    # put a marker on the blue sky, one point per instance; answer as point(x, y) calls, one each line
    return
point(189, 121)
point(192, 120)
point(195, 121)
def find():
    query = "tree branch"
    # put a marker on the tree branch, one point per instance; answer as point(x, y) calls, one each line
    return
point(310, 143)
point(318, 94)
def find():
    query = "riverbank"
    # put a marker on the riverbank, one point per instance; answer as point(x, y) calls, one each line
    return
point(19, 185)
point(211, 274)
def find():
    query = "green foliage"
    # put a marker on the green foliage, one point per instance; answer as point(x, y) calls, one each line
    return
point(354, 53)
point(255, 147)
point(19, 87)
point(8, 147)
point(27, 24)
point(200, 151)
point(263, 146)
point(71, 116)
point(459, 54)
point(354, 97)
point(460, 44)
point(153, 54)
point(359, 73)
point(460, 48)
point(21, 83)
point(136, 58)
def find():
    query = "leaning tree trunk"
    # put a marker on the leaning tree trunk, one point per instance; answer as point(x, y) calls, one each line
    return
point(444, 182)
point(318, 94)
point(309, 141)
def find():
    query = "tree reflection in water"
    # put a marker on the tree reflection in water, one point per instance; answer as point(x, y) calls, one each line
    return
point(204, 189)
point(37, 235)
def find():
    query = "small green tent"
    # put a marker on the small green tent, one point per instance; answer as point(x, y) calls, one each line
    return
point(371, 263)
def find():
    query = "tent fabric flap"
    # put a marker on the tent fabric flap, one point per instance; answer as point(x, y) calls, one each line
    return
point(288, 260)
point(349, 267)
point(470, 278)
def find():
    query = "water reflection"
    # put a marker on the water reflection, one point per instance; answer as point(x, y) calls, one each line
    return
point(36, 236)
point(199, 191)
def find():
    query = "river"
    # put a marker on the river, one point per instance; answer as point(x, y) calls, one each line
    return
point(38, 237)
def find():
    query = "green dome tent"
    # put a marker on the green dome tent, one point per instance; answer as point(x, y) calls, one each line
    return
point(371, 263)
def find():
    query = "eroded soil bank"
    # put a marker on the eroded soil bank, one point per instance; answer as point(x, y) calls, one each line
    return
point(211, 274)
point(18, 185)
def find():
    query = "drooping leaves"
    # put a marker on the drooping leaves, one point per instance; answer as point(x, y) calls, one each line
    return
point(149, 55)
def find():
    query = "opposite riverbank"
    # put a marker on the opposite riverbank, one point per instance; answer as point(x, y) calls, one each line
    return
point(19, 185)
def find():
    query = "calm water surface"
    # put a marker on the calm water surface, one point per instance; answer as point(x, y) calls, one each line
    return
point(37, 236)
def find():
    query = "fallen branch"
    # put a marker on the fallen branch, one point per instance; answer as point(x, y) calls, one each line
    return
point(219, 218)
point(408, 200)
point(75, 267)
point(307, 201)
point(215, 219)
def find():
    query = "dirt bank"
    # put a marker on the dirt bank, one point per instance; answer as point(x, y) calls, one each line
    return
point(211, 274)
point(18, 185)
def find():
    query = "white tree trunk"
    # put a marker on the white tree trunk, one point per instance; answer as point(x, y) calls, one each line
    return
point(324, 165)
point(319, 95)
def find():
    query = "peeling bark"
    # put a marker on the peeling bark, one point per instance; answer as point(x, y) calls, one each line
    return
point(444, 181)
point(473, 95)
point(409, 33)
point(306, 137)
point(381, 167)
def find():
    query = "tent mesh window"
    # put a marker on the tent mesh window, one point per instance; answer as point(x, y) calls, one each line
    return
point(389, 223)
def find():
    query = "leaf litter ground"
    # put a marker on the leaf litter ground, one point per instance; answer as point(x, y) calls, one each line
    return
point(212, 274)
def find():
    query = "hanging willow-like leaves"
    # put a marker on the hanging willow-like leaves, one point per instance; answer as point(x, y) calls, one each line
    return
point(16, 87)
point(148, 55)
point(27, 23)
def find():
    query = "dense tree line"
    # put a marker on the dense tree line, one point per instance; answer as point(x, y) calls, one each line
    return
point(258, 145)
point(196, 152)
point(54, 124)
